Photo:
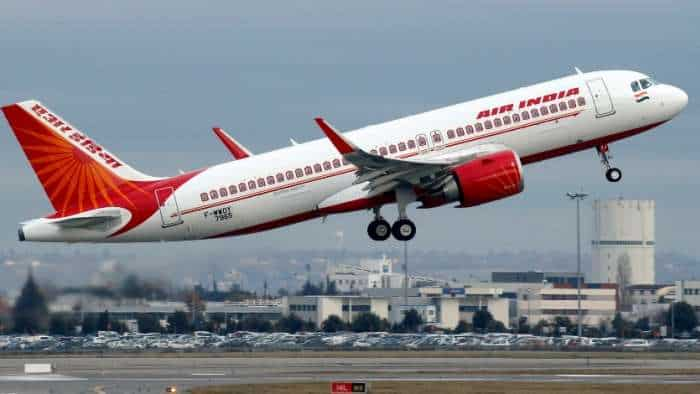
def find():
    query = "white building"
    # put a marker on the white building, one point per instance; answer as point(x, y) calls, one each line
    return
point(623, 242)
point(689, 291)
point(370, 274)
point(597, 304)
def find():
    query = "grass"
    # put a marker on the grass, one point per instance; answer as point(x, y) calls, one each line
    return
point(457, 388)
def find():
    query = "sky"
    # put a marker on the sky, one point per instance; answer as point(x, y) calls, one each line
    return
point(147, 80)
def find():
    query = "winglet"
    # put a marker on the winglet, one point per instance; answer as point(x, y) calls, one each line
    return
point(237, 150)
point(341, 143)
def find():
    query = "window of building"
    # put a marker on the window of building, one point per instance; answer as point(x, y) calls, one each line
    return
point(317, 168)
point(251, 185)
point(308, 170)
point(402, 146)
point(242, 187)
point(261, 182)
point(392, 148)
point(232, 189)
point(289, 174)
point(299, 172)
point(497, 122)
point(270, 180)
point(581, 101)
point(213, 194)
point(326, 165)
point(280, 177)
point(451, 134)
point(525, 115)
point(223, 192)
point(516, 118)
point(336, 163)
point(534, 112)
point(383, 151)
point(204, 197)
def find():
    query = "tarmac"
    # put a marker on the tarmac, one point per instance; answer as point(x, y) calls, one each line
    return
point(153, 374)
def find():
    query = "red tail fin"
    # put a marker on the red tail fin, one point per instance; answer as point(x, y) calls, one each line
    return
point(76, 173)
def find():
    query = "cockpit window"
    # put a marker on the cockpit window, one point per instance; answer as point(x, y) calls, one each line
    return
point(645, 83)
point(635, 86)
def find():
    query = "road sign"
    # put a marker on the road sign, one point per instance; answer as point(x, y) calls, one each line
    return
point(348, 387)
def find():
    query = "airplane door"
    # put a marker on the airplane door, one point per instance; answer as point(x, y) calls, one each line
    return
point(169, 210)
point(422, 142)
point(436, 139)
point(601, 97)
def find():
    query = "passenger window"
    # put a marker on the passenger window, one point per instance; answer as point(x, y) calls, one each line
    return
point(437, 137)
point(562, 106)
point(317, 168)
point(635, 86)
point(270, 180)
point(261, 182)
point(645, 83)
point(336, 163)
point(470, 129)
point(525, 115)
point(251, 185)
point(402, 146)
point(516, 118)
point(280, 177)
point(242, 187)
point(411, 144)
point(308, 170)
point(223, 192)
point(460, 132)
point(553, 108)
point(497, 122)
point(572, 103)
point(345, 162)
point(488, 124)
point(506, 120)
point(383, 151)
point(479, 128)
point(232, 189)
point(326, 165)
point(581, 101)
point(450, 134)
point(422, 141)
point(299, 173)
point(213, 194)
point(204, 197)
point(289, 174)
point(392, 148)
point(534, 112)
point(543, 110)
point(374, 152)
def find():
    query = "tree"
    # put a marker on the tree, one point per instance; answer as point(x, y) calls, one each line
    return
point(642, 324)
point(367, 321)
point(620, 325)
point(412, 320)
point(563, 321)
point(462, 327)
point(132, 287)
point(333, 324)
point(30, 314)
point(177, 322)
point(541, 328)
point(61, 324)
point(290, 324)
point(254, 324)
point(481, 319)
point(88, 325)
point(523, 325)
point(496, 326)
point(103, 321)
point(148, 323)
point(684, 317)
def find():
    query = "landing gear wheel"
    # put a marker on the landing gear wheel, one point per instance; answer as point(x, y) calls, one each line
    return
point(379, 230)
point(403, 230)
point(613, 174)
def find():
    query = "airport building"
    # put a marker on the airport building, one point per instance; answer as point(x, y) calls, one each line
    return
point(623, 242)
point(598, 303)
point(689, 291)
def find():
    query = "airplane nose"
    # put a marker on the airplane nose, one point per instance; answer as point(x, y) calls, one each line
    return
point(677, 99)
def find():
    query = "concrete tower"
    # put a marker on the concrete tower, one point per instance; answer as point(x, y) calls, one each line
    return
point(623, 242)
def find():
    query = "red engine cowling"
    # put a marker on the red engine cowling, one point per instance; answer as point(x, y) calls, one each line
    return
point(485, 179)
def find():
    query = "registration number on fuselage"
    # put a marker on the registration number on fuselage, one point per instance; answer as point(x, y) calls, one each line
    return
point(219, 215)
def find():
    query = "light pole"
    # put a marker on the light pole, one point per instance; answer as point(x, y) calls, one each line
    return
point(578, 197)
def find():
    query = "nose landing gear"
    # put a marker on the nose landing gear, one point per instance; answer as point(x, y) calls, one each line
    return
point(612, 174)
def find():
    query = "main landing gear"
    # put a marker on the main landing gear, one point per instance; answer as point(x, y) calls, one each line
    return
point(612, 174)
point(403, 229)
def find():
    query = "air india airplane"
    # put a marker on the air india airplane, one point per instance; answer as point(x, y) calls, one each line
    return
point(468, 154)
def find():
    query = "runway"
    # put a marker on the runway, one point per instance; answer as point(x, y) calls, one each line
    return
point(152, 375)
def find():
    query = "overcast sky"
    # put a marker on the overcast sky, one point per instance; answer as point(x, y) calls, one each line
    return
point(149, 79)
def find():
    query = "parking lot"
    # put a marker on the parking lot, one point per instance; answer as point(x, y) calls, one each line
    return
point(251, 341)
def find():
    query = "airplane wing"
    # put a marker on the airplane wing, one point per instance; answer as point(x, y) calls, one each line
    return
point(384, 174)
point(237, 150)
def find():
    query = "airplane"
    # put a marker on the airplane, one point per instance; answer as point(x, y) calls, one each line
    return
point(466, 154)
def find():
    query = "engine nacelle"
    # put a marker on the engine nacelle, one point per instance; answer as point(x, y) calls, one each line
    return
point(488, 178)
